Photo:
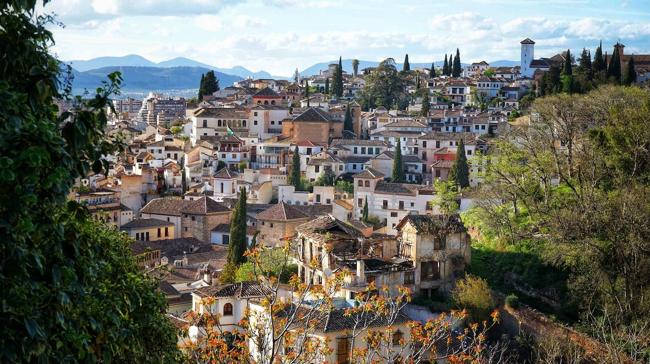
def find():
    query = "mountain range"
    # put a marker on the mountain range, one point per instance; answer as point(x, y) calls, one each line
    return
point(347, 65)
point(141, 79)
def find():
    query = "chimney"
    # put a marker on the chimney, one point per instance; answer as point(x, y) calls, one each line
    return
point(361, 270)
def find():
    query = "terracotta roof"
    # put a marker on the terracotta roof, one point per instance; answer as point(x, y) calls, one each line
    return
point(281, 211)
point(165, 206)
point(314, 114)
point(143, 223)
point(359, 142)
point(204, 205)
point(408, 158)
point(266, 92)
point(225, 228)
point(369, 173)
point(397, 188)
point(225, 173)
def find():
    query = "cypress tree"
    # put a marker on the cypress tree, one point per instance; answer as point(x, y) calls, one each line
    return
point(338, 90)
point(210, 83)
point(598, 64)
point(201, 86)
point(347, 122)
point(585, 63)
point(294, 177)
point(398, 166)
point(432, 71)
point(460, 168)
point(630, 73)
point(567, 69)
point(237, 245)
point(445, 67)
point(426, 106)
point(327, 86)
point(614, 68)
point(364, 217)
point(456, 71)
point(355, 67)
point(307, 92)
point(407, 66)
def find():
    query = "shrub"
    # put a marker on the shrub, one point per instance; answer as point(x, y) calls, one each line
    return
point(474, 294)
point(512, 300)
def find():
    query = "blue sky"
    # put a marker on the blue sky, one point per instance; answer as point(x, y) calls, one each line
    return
point(280, 35)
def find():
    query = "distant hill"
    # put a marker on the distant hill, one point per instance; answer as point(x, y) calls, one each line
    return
point(139, 61)
point(145, 79)
point(347, 65)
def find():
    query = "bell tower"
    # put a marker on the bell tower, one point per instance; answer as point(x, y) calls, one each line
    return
point(527, 56)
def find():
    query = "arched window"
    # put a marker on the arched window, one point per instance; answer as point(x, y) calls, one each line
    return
point(227, 309)
point(367, 183)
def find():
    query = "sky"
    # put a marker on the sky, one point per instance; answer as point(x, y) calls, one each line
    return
point(279, 36)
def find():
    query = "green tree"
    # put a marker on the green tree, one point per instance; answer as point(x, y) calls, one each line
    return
point(70, 285)
point(432, 71)
point(210, 83)
point(445, 67)
point(614, 67)
point(407, 65)
point(426, 104)
point(364, 216)
point(337, 87)
point(398, 164)
point(598, 64)
point(456, 69)
point(344, 186)
point(326, 178)
point(237, 243)
point(294, 176)
point(585, 64)
point(201, 87)
point(385, 86)
point(307, 92)
point(273, 262)
point(460, 169)
point(567, 69)
point(347, 121)
point(327, 86)
point(355, 67)
point(474, 294)
point(630, 73)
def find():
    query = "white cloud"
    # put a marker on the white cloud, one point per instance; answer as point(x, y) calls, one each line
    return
point(210, 23)
point(246, 21)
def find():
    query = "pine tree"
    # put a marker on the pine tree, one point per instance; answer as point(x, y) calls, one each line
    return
point(355, 67)
point(567, 69)
point(630, 73)
point(407, 66)
point(445, 67)
point(456, 71)
point(237, 244)
point(201, 87)
point(461, 168)
point(327, 86)
point(432, 71)
point(398, 166)
point(294, 177)
point(426, 104)
point(347, 122)
point(614, 68)
point(364, 216)
point(598, 64)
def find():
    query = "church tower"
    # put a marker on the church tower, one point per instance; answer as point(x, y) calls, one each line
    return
point(527, 56)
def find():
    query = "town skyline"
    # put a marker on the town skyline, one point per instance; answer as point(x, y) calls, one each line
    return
point(280, 36)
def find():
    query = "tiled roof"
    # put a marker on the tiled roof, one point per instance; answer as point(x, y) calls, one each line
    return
point(225, 173)
point(143, 223)
point(369, 173)
point(359, 142)
point(314, 114)
point(238, 290)
point(431, 224)
point(174, 248)
point(314, 210)
point(405, 158)
point(397, 188)
point(204, 205)
point(354, 159)
point(225, 228)
point(266, 92)
point(282, 211)
point(165, 206)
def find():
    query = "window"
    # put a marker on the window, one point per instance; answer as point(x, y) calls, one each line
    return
point(424, 144)
point(412, 204)
point(254, 122)
point(393, 214)
point(186, 228)
point(316, 169)
point(401, 205)
point(438, 244)
point(227, 309)
point(429, 271)
point(270, 224)
point(205, 123)
point(146, 236)
point(360, 202)
point(255, 113)
point(469, 152)
point(159, 232)
point(363, 150)
point(355, 150)
point(343, 350)
point(137, 236)
point(318, 198)
point(225, 239)
point(166, 231)
point(409, 277)
point(384, 204)
point(367, 183)
point(193, 218)
point(360, 183)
